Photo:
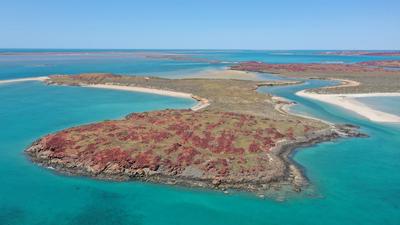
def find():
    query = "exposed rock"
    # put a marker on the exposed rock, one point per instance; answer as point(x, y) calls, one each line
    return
point(227, 146)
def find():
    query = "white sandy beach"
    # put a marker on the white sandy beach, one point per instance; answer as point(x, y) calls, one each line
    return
point(202, 102)
point(348, 101)
point(344, 83)
point(24, 79)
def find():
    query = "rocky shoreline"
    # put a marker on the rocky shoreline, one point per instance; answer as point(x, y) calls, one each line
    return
point(292, 175)
point(239, 142)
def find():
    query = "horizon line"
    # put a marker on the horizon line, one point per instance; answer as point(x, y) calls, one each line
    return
point(203, 49)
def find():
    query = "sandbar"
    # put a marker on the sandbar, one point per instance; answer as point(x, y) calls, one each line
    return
point(24, 79)
point(202, 102)
point(348, 101)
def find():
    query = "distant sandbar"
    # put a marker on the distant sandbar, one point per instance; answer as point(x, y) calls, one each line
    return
point(349, 102)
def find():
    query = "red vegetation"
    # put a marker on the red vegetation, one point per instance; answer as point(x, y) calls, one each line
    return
point(115, 155)
point(383, 63)
point(212, 142)
point(310, 67)
point(369, 53)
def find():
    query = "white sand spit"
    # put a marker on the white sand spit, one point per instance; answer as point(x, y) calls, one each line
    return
point(202, 102)
point(348, 101)
point(24, 79)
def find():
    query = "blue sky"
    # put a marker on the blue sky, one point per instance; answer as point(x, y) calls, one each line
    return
point(201, 24)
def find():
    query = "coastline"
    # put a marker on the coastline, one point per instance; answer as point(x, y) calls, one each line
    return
point(290, 172)
point(283, 106)
point(343, 83)
point(43, 78)
point(278, 168)
point(201, 102)
point(348, 101)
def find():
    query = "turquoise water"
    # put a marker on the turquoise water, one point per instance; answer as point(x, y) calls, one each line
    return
point(354, 181)
point(42, 66)
point(385, 104)
point(120, 61)
point(290, 56)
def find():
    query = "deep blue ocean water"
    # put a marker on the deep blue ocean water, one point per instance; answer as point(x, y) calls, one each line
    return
point(354, 181)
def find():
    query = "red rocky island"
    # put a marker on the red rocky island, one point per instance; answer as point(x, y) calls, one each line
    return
point(229, 145)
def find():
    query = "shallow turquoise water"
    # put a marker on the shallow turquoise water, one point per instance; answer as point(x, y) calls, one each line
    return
point(38, 64)
point(32, 195)
point(289, 56)
point(354, 181)
point(385, 104)
point(19, 67)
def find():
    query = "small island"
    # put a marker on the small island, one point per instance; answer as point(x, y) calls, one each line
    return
point(239, 139)
point(361, 53)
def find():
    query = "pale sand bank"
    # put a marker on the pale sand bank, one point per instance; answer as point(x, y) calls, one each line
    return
point(202, 102)
point(225, 74)
point(344, 83)
point(348, 101)
point(24, 79)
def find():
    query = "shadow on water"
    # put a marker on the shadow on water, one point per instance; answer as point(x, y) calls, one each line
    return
point(10, 215)
point(103, 207)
